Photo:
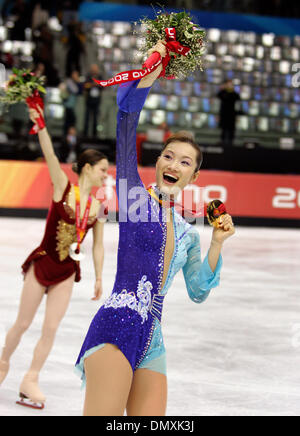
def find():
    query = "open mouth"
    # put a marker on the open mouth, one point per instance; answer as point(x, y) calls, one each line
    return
point(169, 178)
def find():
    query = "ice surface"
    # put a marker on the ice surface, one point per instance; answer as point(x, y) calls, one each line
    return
point(236, 354)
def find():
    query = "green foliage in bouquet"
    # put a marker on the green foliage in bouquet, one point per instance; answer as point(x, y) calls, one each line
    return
point(21, 85)
point(188, 34)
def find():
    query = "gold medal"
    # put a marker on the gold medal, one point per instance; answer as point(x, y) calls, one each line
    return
point(214, 212)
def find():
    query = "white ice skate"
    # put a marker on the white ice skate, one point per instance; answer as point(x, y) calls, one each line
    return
point(30, 393)
point(4, 368)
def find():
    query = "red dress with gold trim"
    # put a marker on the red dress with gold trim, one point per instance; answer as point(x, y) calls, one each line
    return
point(52, 263)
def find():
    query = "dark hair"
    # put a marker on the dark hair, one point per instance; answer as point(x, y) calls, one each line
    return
point(89, 156)
point(189, 138)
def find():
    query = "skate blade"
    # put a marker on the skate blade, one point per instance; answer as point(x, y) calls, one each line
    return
point(26, 402)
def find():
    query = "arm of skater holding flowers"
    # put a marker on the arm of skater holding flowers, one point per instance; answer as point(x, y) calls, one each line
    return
point(98, 258)
point(131, 98)
point(58, 177)
point(148, 81)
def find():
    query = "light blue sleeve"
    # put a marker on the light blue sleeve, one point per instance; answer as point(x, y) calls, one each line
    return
point(198, 275)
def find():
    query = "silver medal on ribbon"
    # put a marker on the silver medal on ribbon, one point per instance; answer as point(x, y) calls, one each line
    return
point(76, 256)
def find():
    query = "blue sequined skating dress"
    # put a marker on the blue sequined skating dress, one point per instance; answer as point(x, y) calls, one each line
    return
point(131, 317)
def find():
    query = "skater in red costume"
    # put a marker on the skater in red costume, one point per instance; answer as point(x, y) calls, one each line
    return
point(53, 267)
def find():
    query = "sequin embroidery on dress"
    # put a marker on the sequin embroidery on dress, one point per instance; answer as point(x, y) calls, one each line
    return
point(141, 302)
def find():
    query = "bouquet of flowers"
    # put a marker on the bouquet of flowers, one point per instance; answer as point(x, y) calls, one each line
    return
point(24, 86)
point(184, 43)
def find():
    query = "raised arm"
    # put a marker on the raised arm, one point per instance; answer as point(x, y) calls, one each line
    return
point(58, 177)
point(131, 98)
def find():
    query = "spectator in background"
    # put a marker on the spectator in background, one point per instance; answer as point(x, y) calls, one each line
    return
point(70, 90)
point(228, 112)
point(76, 47)
point(40, 70)
point(40, 16)
point(22, 18)
point(93, 99)
point(43, 53)
point(70, 146)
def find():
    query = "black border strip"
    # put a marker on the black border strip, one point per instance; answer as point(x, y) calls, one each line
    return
point(239, 221)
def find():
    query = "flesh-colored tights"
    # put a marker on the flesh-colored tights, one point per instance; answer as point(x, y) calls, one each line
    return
point(58, 299)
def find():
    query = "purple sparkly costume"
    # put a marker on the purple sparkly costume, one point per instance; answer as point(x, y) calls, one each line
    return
point(130, 318)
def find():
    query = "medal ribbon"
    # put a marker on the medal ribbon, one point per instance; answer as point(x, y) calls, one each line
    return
point(81, 226)
point(191, 213)
point(151, 64)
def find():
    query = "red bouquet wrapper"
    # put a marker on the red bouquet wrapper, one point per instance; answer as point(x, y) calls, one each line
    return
point(172, 45)
point(34, 102)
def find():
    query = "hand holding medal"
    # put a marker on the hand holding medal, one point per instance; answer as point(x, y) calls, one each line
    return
point(219, 219)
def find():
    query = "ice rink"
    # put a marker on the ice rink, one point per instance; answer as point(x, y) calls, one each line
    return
point(236, 354)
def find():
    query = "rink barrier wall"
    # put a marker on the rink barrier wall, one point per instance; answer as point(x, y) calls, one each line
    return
point(26, 191)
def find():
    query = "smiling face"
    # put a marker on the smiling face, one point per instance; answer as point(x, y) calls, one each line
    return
point(176, 167)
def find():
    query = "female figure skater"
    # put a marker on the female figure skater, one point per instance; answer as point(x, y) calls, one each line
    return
point(123, 359)
point(49, 269)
